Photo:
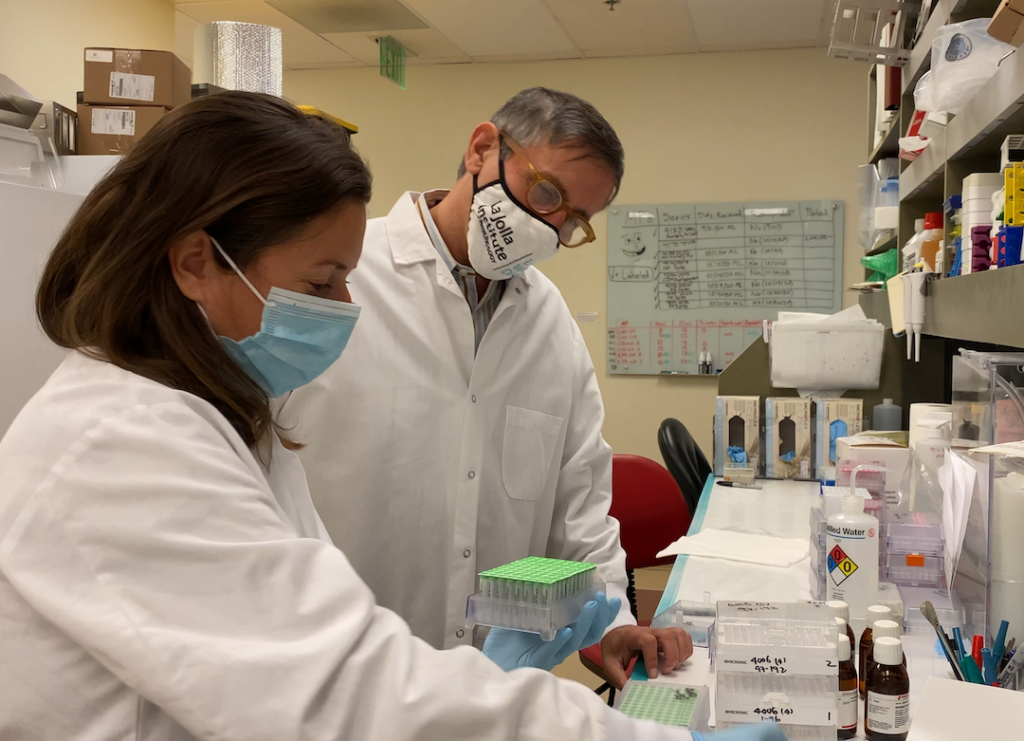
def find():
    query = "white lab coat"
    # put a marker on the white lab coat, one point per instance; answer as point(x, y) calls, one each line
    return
point(157, 583)
point(428, 465)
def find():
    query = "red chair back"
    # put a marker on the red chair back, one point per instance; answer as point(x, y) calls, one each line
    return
point(650, 508)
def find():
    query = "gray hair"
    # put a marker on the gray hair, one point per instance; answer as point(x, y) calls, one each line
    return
point(540, 115)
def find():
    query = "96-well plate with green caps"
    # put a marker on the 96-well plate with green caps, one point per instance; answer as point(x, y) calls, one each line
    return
point(670, 705)
point(534, 594)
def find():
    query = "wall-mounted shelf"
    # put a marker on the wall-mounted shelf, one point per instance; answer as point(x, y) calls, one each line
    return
point(925, 170)
point(980, 307)
point(889, 145)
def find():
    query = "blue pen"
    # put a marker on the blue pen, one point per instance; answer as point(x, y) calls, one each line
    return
point(959, 645)
point(1000, 647)
point(988, 663)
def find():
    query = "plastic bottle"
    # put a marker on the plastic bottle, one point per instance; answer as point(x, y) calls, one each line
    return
point(847, 726)
point(931, 238)
point(853, 556)
point(882, 629)
point(887, 707)
point(841, 610)
point(874, 613)
point(912, 250)
point(887, 416)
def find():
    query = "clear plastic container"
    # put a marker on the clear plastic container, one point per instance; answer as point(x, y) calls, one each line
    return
point(948, 610)
point(799, 699)
point(527, 616)
point(696, 618)
point(889, 596)
point(793, 733)
point(914, 569)
point(24, 161)
point(915, 532)
point(776, 639)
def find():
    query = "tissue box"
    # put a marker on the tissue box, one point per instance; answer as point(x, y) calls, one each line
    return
point(737, 425)
point(835, 418)
point(787, 438)
point(867, 449)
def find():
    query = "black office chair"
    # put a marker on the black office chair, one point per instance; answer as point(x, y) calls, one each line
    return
point(684, 460)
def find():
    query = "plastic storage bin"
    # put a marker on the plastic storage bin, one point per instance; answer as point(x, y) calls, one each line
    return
point(696, 618)
point(776, 639)
point(826, 355)
point(915, 532)
point(947, 606)
point(799, 699)
point(533, 595)
point(914, 569)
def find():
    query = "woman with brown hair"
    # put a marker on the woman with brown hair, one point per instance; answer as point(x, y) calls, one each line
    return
point(163, 574)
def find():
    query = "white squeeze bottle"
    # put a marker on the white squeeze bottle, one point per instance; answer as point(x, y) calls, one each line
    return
point(853, 556)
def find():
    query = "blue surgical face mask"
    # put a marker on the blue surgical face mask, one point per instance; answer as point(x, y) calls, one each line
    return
point(299, 338)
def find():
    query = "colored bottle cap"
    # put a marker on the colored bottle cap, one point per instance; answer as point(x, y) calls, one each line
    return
point(933, 220)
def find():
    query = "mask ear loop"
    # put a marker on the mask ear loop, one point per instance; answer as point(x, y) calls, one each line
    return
point(238, 272)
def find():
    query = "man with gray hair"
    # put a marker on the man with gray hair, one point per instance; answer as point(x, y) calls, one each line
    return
point(464, 419)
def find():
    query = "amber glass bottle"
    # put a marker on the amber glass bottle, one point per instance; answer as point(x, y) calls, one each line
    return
point(848, 694)
point(887, 706)
point(875, 612)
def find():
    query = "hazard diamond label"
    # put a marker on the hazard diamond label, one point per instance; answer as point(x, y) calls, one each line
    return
point(840, 566)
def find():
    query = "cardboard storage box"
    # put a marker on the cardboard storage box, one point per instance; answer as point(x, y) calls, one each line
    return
point(835, 418)
point(1008, 22)
point(787, 438)
point(136, 77)
point(114, 129)
point(737, 426)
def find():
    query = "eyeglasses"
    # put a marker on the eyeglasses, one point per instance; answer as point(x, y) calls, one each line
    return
point(546, 197)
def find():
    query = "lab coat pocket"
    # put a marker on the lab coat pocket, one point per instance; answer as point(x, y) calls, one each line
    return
point(527, 451)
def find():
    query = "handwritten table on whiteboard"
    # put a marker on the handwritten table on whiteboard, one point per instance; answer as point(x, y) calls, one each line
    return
point(685, 279)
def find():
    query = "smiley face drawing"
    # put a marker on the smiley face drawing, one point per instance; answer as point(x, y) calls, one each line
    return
point(633, 246)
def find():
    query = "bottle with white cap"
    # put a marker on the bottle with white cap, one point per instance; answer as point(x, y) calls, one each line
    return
point(847, 690)
point(874, 614)
point(881, 629)
point(841, 610)
point(887, 706)
point(852, 540)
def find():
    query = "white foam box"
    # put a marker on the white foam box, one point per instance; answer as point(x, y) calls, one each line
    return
point(983, 179)
point(787, 438)
point(737, 423)
point(884, 452)
point(849, 412)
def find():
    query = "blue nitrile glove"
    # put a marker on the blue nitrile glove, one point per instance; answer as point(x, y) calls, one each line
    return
point(763, 731)
point(737, 454)
point(788, 457)
point(514, 649)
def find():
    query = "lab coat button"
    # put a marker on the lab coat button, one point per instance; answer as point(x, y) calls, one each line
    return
point(467, 553)
point(473, 397)
point(459, 633)
point(447, 280)
point(472, 474)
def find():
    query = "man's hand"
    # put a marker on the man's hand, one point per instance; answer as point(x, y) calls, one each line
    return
point(619, 647)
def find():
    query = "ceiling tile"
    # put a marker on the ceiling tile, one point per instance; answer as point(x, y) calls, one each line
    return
point(633, 26)
point(300, 46)
point(756, 24)
point(496, 27)
point(424, 45)
point(349, 16)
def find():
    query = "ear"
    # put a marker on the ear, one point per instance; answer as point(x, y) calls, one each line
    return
point(193, 265)
point(485, 139)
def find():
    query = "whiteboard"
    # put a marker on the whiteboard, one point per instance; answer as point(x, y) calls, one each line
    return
point(684, 279)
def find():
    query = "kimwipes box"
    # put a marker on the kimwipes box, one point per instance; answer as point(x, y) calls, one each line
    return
point(114, 129)
point(136, 77)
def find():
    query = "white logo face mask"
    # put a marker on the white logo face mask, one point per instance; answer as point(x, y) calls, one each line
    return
point(505, 238)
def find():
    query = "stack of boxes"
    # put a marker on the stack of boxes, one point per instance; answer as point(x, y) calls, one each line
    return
point(777, 662)
point(978, 218)
point(126, 92)
point(914, 549)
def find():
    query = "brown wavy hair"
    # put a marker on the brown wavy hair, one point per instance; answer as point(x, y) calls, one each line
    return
point(249, 169)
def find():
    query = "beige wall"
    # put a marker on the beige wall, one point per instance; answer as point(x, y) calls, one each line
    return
point(41, 41)
point(696, 128)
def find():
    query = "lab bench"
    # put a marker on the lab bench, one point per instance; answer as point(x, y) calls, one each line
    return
point(780, 509)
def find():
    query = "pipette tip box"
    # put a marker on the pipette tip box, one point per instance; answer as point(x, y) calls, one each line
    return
point(670, 705)
point(533, 595)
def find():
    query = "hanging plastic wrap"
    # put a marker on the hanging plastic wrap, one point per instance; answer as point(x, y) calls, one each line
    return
point(238, 56)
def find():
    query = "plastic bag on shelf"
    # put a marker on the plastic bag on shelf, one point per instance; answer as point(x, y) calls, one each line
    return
point(964, 58)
